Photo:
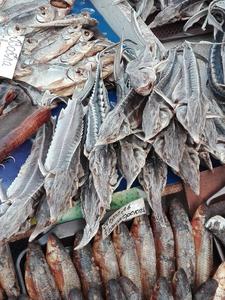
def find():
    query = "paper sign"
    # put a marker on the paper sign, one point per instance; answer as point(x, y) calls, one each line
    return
point(10, 48)
point(125, 213)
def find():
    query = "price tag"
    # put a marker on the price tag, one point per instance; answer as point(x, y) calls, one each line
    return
point(10, 48)
point(125, 213)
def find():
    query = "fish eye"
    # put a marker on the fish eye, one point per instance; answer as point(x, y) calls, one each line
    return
point(86, 33)
point(17, 27)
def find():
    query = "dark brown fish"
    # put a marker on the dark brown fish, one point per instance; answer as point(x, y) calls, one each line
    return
point(126, 254)
point(162, 290)
point(61, 266)
point(144, 242)
point(25, 130)
point(105, 257)
point(8, 278)
point(219, 277)
point(130, 290)
point(164, 245)
point(85, 265)
point(94, 293)
point(40, 284)
point(207, 290)
point(75, 294)
point(114, 291)
point(181, 286)
point(183, 236)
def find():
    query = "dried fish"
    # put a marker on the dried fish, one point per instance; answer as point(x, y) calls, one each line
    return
point(207, 290)
point(42, 282)
point(75, 294)
point(219, 277)
point(126, 254)
point(105, 258)
point(61, 266)
point(129, 288)
point(114, 291)
point(216, 225)
point(184, 241)
point(153, 179)
point(164, 247)
point(8, 277)
point(62, 3)
point(181, 286)
point(85, 266)
point(144, 242)
point(162, 290)
point(94, 294)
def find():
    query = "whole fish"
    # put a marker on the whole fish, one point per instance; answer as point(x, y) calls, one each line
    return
point(8, 279)
point(219, 277)
point(75, 294)
point(207, 290)
point(184, 241)
point(114, 291)
point(126, 254)
point(61, 266)
point(162, 290)
point(144, 242)
point(85, 266)
point(216, 225)
point(181, 286)
point(94, 293)
point(130, 290)
point(164, 246)
point(41, 282)
point(105, 257)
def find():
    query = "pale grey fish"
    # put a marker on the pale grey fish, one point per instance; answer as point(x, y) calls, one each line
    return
point(162, 290)
point(23, 193)
point(153, 179)
point(7, 272)
point(66, 38)
point(132, 157)
point(94, 293)
point(191, 109)
point(130, 290)
point(114, 290)
point(184, 240)
point(170, 144)
point(75, 294)
point(141, 232)
point(126, 254)
point(207, 290)
point(181, 286)
point(189, 169)
point(216, 225)
point(219, 277)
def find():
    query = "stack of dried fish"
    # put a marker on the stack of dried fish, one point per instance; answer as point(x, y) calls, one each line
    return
point(174, 260)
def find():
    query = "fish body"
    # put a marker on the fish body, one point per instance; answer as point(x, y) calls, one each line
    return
point(206, 290)
point(164, 245)
point(61, 266)
point(216, 225)
point(105, 258)
point(85, 266)
point(145, 246)
point(75, 294)
point(181, 286)
point(94, 293)
point(219, 277)
point(8, 278)
point(183, 236)
point(42, 285)
point(114, 291)
point(162, 290)
point(130, 290)
point(126, 254)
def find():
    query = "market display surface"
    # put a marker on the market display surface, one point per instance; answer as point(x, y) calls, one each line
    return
point(84, 114)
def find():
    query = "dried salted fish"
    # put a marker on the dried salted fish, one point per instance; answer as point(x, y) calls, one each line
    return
point(129, 288)
point(170, 144)
point(207, 290)
point(219, 277)
point(39, 280)
point(85, 266)
point(191, 111)
point(162, 290)
point(24, 193)
point(95, 293)
point(7, 272)
point(105, 258)
point(153, 179)
point(62, 3)
point(114, 291)
point(216, 225)
point(184, 241)
point(75, 294)
point(126, 254)
point(144, 242)
point(181, 286)
point(132, 156)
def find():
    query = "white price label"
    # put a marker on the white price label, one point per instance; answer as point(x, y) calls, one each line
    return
point(10, 48)
point(125, 213)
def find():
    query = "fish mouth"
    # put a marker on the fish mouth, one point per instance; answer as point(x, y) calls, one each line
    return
point(61, 3)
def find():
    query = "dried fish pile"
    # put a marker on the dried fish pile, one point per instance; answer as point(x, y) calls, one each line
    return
point(145, 260)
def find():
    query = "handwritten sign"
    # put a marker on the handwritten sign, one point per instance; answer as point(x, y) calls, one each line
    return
point(10, 48)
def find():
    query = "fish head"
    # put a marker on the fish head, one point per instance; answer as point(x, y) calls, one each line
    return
point(45, 14)
point(86, 35)
point(72, 32)
point(78, 75)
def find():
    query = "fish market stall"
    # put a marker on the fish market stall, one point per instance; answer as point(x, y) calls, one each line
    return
point(112, 149)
